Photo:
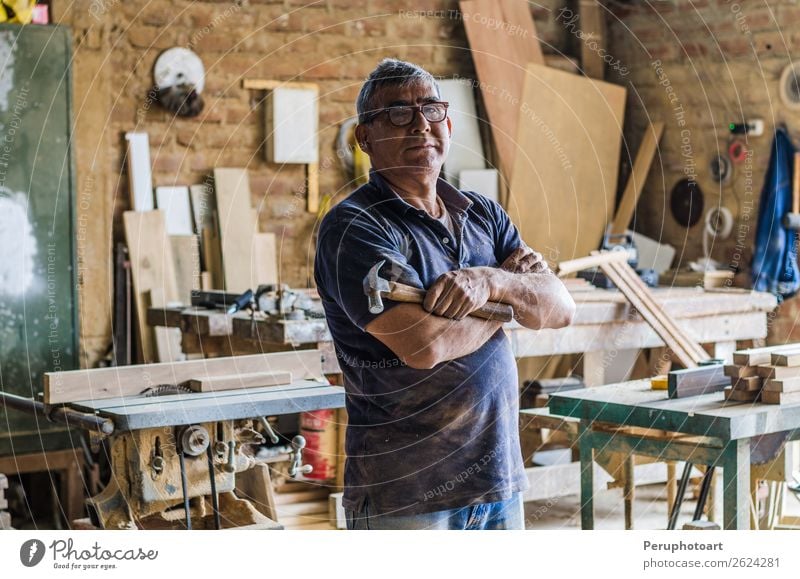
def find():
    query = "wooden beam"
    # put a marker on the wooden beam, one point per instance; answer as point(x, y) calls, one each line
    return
point(500, 59)
point(236, 226)
point(581, 263)
point(637, 178)
point(103, 383)
point(239, 381)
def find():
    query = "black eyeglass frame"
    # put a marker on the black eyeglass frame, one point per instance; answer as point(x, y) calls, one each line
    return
point(415, 108)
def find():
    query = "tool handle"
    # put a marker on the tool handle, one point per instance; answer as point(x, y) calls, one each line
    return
point(490, 311)
point(796, 184)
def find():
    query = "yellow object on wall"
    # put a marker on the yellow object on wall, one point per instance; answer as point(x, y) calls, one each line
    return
point(21, 11)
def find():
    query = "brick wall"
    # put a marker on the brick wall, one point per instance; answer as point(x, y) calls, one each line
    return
point(334, 43)
point(698, 65)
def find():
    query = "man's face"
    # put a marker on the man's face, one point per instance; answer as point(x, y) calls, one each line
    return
point(419, 146)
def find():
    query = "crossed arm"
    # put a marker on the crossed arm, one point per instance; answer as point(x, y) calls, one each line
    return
point(441, 328)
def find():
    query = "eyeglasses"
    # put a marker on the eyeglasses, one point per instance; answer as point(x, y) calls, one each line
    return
point(402, 116)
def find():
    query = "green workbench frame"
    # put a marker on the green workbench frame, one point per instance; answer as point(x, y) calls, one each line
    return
point(725, 428)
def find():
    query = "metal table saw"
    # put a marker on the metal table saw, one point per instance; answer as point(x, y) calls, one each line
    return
point(181, 435)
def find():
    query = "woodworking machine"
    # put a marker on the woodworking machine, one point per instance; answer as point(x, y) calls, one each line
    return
point(182, 458)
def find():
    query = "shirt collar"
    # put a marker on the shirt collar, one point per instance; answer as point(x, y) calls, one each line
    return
point(454, 200)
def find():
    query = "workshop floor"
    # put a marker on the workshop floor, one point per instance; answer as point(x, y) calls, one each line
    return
point(649, 511)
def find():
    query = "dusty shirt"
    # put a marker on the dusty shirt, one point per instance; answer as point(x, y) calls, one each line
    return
point(419, 440)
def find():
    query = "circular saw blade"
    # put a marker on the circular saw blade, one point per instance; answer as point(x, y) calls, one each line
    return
point(177, 66)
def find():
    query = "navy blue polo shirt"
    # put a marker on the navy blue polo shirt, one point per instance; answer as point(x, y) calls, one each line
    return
point(419, 440)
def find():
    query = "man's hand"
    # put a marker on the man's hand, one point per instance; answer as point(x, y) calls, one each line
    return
point(456, 294)
point(525, 260)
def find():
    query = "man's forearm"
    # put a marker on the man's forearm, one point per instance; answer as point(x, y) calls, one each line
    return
point(539, 300)
point(423, 340)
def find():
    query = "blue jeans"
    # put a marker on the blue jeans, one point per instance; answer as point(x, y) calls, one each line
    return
point(486, 516)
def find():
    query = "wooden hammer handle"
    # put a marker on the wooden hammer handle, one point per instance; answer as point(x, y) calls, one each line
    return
point(796, 184)
point(400, 292)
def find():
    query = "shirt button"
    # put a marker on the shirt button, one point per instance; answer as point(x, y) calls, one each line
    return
point(446, 240)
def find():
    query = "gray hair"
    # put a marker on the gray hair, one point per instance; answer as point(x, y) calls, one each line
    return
point(390, 72)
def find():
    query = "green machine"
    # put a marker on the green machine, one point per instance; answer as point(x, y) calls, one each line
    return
point(38, 291)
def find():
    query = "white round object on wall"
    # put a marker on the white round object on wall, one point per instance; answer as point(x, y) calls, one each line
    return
point(177, 66)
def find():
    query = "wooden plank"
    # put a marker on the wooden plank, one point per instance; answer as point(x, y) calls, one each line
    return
point(500, 58)
point(735, 395)
point(779, 372)
point(785, 385)
point(589, 261)
point(695, 350)
point(212, 257)
point(153, 274)
point(741, 371)
point(174, 202)
point(696, 381)
point(236, 227)
point(563, 188)
point(749, 383)
point(312, 188)
point(186, 251)
point(770, 397)
point(202, 197)
point(787, 358)
point(239, 381)
point(636, 180)
point(265, 259)
point(593, 38)
point(104, 383)
point(654, 317)
point(139, 173)
point(756, 356)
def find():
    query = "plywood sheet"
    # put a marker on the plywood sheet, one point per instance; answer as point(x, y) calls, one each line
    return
point(153, 274)
point(564, 183)
point(186, 252)
point(236, 226)
point(139, 172)
point(265, 259)
point(503, 40)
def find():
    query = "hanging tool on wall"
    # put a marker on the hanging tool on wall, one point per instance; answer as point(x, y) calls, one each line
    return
point(179, 78)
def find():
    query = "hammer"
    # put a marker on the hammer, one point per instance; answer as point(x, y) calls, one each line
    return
point(377, 288)
point(792, 220)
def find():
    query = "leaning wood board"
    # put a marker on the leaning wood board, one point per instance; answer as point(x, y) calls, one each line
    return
point(500, 60)
point(563, 188)
point(239, 381)
point(236, 226)
point(154, 285)
point(633, 188)
point(105, 383)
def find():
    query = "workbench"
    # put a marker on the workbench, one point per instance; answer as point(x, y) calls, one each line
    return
point(604, 323)
point(630, 418)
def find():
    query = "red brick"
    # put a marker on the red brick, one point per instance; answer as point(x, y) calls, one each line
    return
point(151, 37)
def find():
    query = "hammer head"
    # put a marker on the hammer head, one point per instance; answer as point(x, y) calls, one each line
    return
point(373, 286)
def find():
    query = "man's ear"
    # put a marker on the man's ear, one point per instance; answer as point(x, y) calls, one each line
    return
point(449, 127)
point(362, 138)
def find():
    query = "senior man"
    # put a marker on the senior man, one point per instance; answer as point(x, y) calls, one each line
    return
point(432, 395)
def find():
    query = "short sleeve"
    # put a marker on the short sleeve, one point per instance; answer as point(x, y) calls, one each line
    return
point(507, 238)
point(347, 248)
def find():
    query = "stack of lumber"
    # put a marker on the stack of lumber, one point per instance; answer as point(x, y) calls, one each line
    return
point(303, 505)
point(770, 375)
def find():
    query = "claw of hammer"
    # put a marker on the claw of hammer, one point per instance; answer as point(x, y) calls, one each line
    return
point(373, 286)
